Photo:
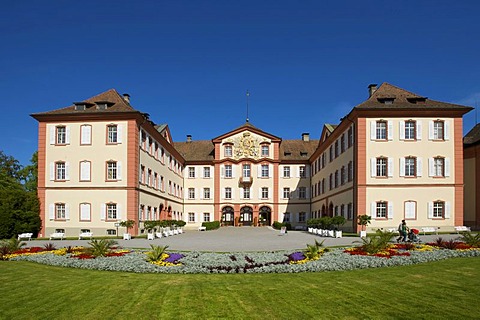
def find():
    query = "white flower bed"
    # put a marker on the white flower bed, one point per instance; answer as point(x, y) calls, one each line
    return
point(260, 262)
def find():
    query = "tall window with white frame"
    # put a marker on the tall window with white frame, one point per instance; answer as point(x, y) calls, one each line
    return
point(410, 133)
point(228, 171)
point(206, 172)
point(438, 167)
point(246, 193)
point(112, 173)
point(302, 216)
point(286, 193)
point(264, 170)
point(228, 193)
point(438, 130)
point(302, 193)
point(191, 193)
point(191, 217)
point(61, 135)
point(246, 170)
point(60, 171)
point(60, 211)
point(410, 167)
point(191, 172)
point(286, 172)
point(438, 209)
point(112, 133)
point(381, 211)
point(265, 150)
point(264, 193)
point(382, 167)
point(206, 217)
point(206, 193)
point(228, 151)
point(111, 211)
point(381, 130)
point(303, 172)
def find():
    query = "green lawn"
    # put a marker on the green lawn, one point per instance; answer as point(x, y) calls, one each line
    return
point(446, 289)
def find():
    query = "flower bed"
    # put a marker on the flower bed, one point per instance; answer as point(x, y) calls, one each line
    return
point(260, 262)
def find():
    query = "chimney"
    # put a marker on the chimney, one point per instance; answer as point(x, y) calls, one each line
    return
point(189, 138)
point(306, 136)
point(126, 97)
point(371, 89)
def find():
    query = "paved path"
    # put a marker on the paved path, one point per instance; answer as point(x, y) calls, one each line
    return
point(231, 239)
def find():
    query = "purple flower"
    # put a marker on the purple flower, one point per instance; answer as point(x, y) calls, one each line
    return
point(296, 256)
point(174, 257)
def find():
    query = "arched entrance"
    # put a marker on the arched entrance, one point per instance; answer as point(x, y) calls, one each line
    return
point(265, 216)
point(227, 216)
point(330, 210)
point(246, 216)
point(324, 211)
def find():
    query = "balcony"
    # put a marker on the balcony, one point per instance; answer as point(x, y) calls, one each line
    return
point(245, 181)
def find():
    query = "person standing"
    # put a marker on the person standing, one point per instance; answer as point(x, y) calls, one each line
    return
point(402, 230)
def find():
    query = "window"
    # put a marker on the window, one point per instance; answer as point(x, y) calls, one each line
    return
point(85, 134)
point(265, 151)
point(438, 167)
point(337, 149)
point(342, 210)
point(302, 193)
point(286, 172)
point(303, 172)
point(381, 211)
point(85, 209)
point(60, 211)
point(264, 170)
point(286, 217)
point(410, 167)
point(331, 153)
point(381, 130)
point(410, 130)
point(155, 181)
point(286, 193)
point(228, 151)
point(342, 143)
point(336, 211)
point(191, 193)
point(228, 171)
point(60, 171)
point(162, 183)
point(111, 232)
point(264, 193)
point(350, 211)
point(112, 134)
point(111, 211)
point(191, 172)
point(228, 193)
point(149, 178)
point(381, 167)
point(246, 171)
point(302, 216)
point(112, 170)
point(336, 179)
point(438, 209)
point(85, 171)
point(246, 193)
point(142, 174)
point(350, 171)
point(206, 193)
point(410, 210)
point(438, 130)
point(206, 217)
point(350, 137)
point(342, 176)
point(330, 184)
point(61, 135)
point(206, 172)
point(191, 217)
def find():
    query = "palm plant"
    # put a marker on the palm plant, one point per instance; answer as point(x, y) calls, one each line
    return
point(377, 242)
point(100, 248)
point(471, 239)
point(156, 253)
point(15, 244)
point(314, 251)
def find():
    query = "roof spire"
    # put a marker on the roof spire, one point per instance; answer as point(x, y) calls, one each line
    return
point(248, 97)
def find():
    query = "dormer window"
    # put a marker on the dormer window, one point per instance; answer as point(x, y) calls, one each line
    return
point(80, 107)
point(103, 105)
point(386, 100)
point(303, 153)
point(287, 153)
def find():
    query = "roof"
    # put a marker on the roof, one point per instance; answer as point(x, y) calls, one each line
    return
point(473, 136)
point(200, 150)
point(403, 99)
point(118, 105)
point(297, 149)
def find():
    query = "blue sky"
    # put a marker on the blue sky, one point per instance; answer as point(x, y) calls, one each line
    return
point(189, 63)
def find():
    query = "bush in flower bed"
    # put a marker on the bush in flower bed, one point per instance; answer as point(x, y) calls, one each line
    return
point(241, 262)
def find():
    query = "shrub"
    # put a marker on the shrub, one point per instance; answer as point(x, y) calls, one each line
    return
point(278, 225)
point(471, 239)
point(49, 247)
point(156, 253)
point(14, 244)
point(213, 225)
point(377, 242)
point(100, 248)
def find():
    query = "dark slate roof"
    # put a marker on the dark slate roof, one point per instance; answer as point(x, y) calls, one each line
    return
point(473, 136)
point(118, 104)
point(403, 99)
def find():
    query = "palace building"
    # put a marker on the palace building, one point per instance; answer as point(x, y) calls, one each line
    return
point(395, 156)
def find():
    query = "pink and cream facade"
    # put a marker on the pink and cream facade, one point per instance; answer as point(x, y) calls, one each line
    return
point(395, 156)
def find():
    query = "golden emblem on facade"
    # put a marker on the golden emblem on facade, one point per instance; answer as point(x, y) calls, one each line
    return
point(246, 146)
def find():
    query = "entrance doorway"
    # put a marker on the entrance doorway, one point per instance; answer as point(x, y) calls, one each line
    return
point(227, 216)
point(246, 216)
point(265, 216)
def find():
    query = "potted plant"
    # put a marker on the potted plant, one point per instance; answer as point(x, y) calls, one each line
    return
point(363, 220)
point(127, 224)
point(338, 221)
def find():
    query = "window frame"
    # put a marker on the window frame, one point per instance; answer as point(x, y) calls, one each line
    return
point(112, 136)
point(111, 174)
point(379, 131)
point(60, 207)
point(61, 137)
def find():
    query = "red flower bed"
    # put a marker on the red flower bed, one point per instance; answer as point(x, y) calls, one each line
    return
point(388, 253)
point(30, 250)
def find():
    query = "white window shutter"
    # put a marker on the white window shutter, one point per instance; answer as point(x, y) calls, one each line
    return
point(233, 193)
point(67, 211)
point(222, 171)
point(402, 130)
point(119, 211)
point(298, 171)
point(259, 170)
point(52, 134)
point(67, 170)
point(447, 167)
point(390, 167)
point(402, 167)
point(270, 170)
point(446, 130)
point(419, 130)
point(281, 171)
point(196, 193)
point(430, 130)
point(390, 130)
point(67, 135)
point(448, 208)
point(52, 171)
point(373, 209)
point(119, 133)
point(373, 130)
point(430, 210)
point(307, 171)
point(233, 171)
point(52, 211)
point(419, 167)
point(85, 134)
point(390, 210)
point(373, 167)
point(85, 170)
point(259, 193)
point(431, 172)
point(85, 211)
point(119, 171)
point(103, 211)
